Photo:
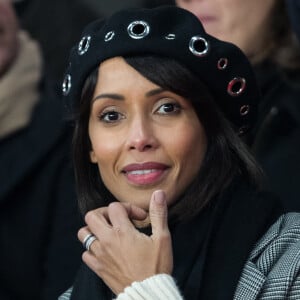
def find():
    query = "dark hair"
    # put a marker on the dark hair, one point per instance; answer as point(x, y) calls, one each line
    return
point(226, 156)
point(282, 46)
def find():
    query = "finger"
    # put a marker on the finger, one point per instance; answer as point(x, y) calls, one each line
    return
point(87, 238)
point(97, 222)
point(82, 233)
point(97, 215)
point(158, 212)
point(134, 212)
point(118, 215)
point(90, 260)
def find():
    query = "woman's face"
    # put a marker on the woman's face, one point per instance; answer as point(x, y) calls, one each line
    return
point(143, 138)
point(245, 23)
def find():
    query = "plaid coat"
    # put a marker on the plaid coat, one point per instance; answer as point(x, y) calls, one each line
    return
point(273, 268)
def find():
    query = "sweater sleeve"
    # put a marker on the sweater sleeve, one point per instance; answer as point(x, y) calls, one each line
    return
point(161, 286)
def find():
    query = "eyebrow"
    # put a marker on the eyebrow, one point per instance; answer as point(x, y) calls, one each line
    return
point(109, 95)
point(120, 97)
point(155, 92)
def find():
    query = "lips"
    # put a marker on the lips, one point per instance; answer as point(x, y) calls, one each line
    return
point(145, 174)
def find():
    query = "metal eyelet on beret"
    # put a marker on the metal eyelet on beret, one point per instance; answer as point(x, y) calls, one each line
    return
point(138, 29)
point(84, 44)
point(109, 36)
point(244, 110)
point(236, 86)
point(222, 63)
point(66, 86)
point(170, 36)
point(199, 46)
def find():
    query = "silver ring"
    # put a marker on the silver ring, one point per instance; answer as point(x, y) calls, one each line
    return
point(88, 240)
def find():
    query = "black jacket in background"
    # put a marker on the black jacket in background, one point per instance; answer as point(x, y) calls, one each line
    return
point(277, 136)
point(293, 8)
point(39, 219)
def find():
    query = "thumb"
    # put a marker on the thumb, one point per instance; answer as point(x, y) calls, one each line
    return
point(158, 212)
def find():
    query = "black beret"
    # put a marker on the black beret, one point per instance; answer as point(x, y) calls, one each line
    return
point(176, 33)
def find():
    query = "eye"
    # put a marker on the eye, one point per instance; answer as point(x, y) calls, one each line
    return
point(111, 116)
point(168, 108)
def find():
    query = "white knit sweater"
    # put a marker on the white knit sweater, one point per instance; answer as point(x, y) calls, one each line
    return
point(161, 286)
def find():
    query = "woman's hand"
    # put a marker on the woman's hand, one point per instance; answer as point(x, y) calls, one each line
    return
point(121, 254)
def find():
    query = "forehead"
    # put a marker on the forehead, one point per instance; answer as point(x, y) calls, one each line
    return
point(116, 72)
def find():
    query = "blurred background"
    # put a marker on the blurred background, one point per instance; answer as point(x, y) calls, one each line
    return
point(57, 24)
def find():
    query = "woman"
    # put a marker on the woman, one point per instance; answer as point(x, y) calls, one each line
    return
point(263, 31)
point(158, 107)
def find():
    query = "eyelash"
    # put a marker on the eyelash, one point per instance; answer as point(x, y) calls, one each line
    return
point(105, 114)
point(175, 106)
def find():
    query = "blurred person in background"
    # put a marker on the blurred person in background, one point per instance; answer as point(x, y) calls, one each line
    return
point(263, 31)
point(39, 253)
point(56, 25)
point(60, 23)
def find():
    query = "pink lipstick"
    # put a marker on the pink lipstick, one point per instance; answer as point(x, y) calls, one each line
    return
point(144, 174)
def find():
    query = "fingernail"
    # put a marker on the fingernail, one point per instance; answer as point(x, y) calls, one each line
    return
point(159, 197)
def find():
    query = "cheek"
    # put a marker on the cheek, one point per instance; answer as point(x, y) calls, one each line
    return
point(230, 16)
point(106, 156)
point(190, 146)
point(239, 17)
point(104, 146)
point(103, 155)
point(188, 154)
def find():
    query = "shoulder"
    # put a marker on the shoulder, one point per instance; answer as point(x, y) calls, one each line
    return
point(283, 234)
point(273, 268)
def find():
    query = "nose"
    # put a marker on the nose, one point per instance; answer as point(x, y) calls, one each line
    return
point(141, 136)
